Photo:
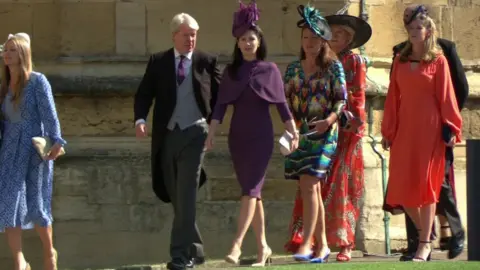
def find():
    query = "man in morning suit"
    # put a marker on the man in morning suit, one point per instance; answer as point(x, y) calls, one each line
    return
point(184, 83)
point(447, 205)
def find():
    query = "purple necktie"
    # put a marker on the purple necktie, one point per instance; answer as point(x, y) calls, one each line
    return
point(180, 71)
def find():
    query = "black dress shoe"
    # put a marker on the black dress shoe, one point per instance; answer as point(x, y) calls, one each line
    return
point(199, 260)
point(176, 265)
point(195, 261)
point(456, 247)
point(407, 256)
point(444, 243)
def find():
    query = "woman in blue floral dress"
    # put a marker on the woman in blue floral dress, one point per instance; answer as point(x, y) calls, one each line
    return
point(316, 91)
point(26, 179)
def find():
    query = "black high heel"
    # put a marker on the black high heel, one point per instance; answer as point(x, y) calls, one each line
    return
point(429, 256)
point(444, 241)
point(409, 254)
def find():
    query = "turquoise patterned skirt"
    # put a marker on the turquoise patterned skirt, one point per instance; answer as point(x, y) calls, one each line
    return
point(314, 154)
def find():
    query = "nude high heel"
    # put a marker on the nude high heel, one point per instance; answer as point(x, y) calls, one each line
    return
point(55, 259)
point(266, 258)
point(55, 255)
point(234, 257)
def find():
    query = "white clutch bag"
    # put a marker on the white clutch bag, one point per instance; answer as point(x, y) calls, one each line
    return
point(43, 146)
point(285, 143)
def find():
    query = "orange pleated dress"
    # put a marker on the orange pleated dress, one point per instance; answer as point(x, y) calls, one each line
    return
point(418, 103)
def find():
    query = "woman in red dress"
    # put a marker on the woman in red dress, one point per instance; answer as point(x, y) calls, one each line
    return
point(343, 190)
point(420, 103)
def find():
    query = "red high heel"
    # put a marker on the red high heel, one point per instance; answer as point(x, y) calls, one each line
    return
point(342, 257)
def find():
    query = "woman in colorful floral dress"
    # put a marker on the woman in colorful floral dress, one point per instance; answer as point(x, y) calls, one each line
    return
point(343, 190)
point(316, 92)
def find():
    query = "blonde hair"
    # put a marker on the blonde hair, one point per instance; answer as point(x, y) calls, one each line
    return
point(431, 51)
point(183, 18)
point(350, 33)
point(25, 56)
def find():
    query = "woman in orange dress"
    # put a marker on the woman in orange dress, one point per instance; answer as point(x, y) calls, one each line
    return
point(420, 100)
point(343, 189)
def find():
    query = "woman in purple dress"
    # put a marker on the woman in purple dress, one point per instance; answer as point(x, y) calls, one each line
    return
point(250, 84)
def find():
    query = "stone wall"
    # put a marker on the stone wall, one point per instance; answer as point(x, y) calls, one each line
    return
point(63, 28)
point(94, 53)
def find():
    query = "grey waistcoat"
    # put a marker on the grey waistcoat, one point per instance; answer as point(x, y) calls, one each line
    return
point(186, 111)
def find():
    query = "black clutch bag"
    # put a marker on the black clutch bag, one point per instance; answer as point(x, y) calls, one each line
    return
point(345, 117)
point(446, 133)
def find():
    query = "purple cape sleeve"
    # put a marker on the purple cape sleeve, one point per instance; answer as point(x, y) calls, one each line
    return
point(267, 83)
point(264, 78)
point(229, 89)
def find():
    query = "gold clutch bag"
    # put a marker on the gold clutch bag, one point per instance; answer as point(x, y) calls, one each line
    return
point(43, 146)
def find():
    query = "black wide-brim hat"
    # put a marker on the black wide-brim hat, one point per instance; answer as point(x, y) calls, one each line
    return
point(363, 30)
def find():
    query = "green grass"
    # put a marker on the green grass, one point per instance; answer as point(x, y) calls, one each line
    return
point(452, 265)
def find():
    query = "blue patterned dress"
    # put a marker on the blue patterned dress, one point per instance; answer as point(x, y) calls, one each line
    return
point(312, 99)
point(25, 179)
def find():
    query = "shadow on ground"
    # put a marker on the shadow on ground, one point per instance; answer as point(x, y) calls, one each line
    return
point(287, 260)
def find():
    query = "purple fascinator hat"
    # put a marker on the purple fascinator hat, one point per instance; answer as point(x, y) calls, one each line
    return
point(245, 18)
point(414, 11)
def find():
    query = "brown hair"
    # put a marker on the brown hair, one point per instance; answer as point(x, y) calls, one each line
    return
point(431, 51)
point(25, 56)
point(326, 56)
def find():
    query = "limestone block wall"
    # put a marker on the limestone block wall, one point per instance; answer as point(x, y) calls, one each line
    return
point(61, 28)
